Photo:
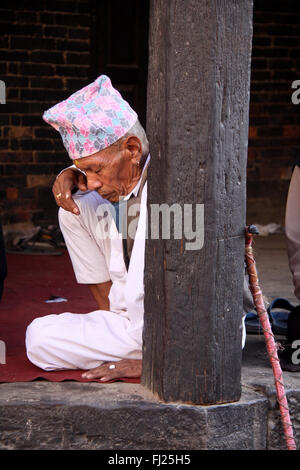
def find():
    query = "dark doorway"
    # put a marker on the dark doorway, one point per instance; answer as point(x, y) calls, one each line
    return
point(120, 48)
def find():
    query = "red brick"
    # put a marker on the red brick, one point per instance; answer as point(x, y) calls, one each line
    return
point(252, 131)
point(21, 131)
point(291, 131)
point(12, 193)
point(34, 181)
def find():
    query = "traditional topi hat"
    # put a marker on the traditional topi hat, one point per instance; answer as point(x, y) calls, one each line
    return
point(92, 118)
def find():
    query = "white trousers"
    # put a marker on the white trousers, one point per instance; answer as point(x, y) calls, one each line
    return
point(84, 341)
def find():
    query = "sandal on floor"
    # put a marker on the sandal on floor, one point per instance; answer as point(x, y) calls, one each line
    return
point(42, 241)
point(278, 311)
point(252, 323)
point(279, 318)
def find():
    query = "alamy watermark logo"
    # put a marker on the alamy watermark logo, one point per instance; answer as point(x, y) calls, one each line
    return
point(2, 352)
point(296, 353)
point(2, 92)
point(167, 222)
point(184, 219)
point(296, 95)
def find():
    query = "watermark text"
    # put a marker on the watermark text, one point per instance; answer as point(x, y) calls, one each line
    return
point(296, 94)
point(2, 92)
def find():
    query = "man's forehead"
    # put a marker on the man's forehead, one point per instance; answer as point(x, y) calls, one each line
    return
point(91, 162)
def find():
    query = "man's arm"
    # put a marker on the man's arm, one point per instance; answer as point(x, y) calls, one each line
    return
point(64, 183)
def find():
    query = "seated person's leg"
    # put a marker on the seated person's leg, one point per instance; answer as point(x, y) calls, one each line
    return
point(292, 228)
point(88, 252)
point(79, 341)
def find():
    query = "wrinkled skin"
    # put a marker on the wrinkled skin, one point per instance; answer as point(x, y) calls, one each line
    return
point(112, 172)
point(124, 368)
point(63, 185)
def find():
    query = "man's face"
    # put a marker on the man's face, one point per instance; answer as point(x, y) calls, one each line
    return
point(112, 172)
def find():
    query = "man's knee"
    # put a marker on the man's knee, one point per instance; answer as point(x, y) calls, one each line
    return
point(37, 342)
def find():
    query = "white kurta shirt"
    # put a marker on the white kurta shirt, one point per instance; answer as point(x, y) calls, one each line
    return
point(127, 292)
point(83, 341)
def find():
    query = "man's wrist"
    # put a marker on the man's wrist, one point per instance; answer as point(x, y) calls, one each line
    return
point(72, 167)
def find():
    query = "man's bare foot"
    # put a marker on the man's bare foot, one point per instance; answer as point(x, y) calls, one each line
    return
point(124, 368)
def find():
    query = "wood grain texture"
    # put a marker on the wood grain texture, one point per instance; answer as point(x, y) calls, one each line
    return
point(197, 123)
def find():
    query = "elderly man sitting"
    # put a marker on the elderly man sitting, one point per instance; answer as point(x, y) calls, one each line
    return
point(110, 150)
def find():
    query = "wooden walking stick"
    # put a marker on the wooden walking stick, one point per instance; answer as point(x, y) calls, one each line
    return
point(269, 337)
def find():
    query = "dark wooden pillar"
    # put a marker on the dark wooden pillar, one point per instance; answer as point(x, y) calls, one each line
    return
point(197, 123)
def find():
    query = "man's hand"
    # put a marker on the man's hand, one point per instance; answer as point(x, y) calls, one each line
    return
point(63, 185)
point(123, 368)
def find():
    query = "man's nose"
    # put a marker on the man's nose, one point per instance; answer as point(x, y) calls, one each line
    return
point(93, 182)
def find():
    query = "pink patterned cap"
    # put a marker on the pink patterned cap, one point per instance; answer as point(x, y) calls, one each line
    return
point(92, 118)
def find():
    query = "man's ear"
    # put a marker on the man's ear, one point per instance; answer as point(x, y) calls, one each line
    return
point(134, 146)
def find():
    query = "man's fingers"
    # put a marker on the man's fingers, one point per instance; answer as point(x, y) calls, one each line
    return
point(95, 373)
point(82, 185)
point(66, 201)
point(62, 187)
point(114, 370)
point(69, 203)
point(104, 373)
point(109, 377)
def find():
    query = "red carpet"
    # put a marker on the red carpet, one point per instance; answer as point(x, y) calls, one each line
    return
point(32, 280)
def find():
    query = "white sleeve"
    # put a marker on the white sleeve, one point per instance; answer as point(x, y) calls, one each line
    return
point(72, 166)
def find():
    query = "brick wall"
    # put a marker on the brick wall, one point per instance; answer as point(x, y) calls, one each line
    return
point(274, 134)
point(46, 53)
point(44, 57)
